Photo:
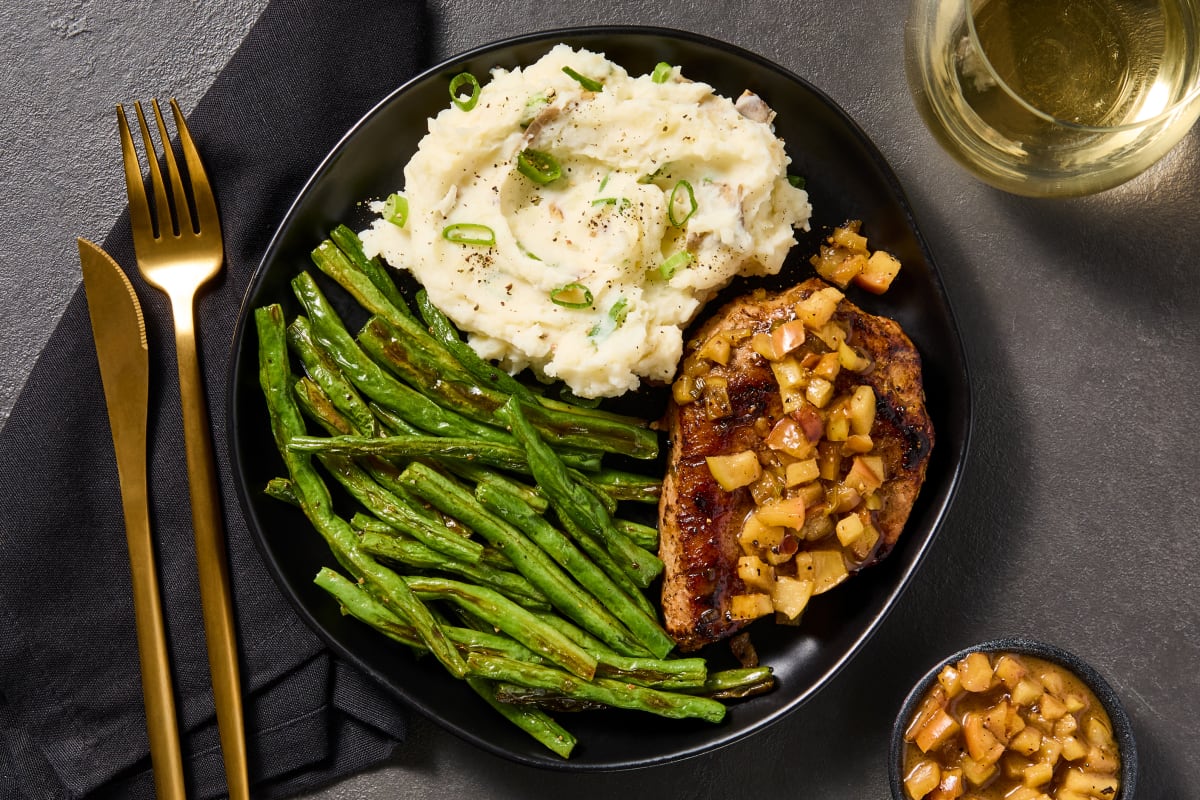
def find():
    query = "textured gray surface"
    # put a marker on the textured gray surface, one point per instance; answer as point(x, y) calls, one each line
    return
point(1076, 516)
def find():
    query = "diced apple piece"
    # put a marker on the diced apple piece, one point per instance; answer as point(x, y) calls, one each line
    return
point(857, 443)
point(1013, 765)
point(877, 276)
point(791, 595)
point(1027, 692)
point(864, 545)
point(1091, 784)
point(929, 705)
point(761, 343)
point(810, 422)
point(1016, 723)
point(975, 671)
point(995, 719)
point(851, 359)
point(862, 410)
point(787, 337)
point(756, 573)
point(801, 472)
point(756, 536)
point(788, 373)
point(922, 779)
point(849, 528)
point(1051, 707)
point(1065, 726)
point(1097, 732)
point(1074, 702)
point(717, 349)
point(1038, 774)
point(829, 569)
point(1050, 751)
point(1010, 671)
point(788, 436)
point(750, 606)
point(819, 392)
point(1073, 749)
point(866, 474)
point(1053, 680)
point(936, 731)
point(847, 236)
point(827, 366)
point(1027, 741)
point(976, 773)
point(832, 335)
point(981, 744)
point(684, 390)
point(736, 470)
point(787, 512)
point(951, 786)
point(837, 427)
point(1101, 759)
point(949, 679)
point(818, 308)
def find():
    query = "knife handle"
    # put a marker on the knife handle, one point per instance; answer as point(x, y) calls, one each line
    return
point(216, 600)
point(161, 726)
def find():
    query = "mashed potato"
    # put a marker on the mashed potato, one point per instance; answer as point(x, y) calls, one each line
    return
point(667, 192)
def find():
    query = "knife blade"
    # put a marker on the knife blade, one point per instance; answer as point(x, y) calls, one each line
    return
point(119, 331)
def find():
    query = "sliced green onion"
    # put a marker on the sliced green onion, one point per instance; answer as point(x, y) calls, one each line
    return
point(674, 264)
point(658, 173)
point(395, 209)
point(469, 233)
point(796, 180)
point(533, 107)
point(573, 295)
point(526, 253)
point(691, 196)
point(585, 81)
point(617, 313)
point(466, 103)
point(621, 203)
point(604, 182)
point(539, 167)
point(662, 72)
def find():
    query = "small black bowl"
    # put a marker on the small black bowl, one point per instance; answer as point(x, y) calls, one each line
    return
point(1121, 726)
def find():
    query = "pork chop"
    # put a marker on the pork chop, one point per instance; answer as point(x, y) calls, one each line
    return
point(700, 522)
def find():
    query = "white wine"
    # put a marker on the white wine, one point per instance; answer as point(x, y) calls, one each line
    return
point(1056, 97)
point(1086, 62)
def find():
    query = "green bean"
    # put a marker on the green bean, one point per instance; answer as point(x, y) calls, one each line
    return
point(369, 377)
point(657, 673)
point(281, 489)
point(528, 555)
point(622, 485)
point(276, 381)
point(642, 535)
point(349, 243)
point(415, 554)
point(497, 454)
point(647, 630)
point(482, 476)
point(404, 358)
point(510, 618)
point(572, 500)
point(607, 564)
point(358, 603)
point(603, 690)
point(733, 684)
point(324, 372)
point(534, 721)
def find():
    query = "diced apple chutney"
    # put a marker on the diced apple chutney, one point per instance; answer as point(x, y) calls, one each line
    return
point(1008, 726)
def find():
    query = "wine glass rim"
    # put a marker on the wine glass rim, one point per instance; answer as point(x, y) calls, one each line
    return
point(1192, 95)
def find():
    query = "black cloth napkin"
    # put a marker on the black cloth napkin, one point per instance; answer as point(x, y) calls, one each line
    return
point(71, 717)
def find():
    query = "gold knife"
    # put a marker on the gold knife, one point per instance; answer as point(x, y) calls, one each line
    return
point(120, 335)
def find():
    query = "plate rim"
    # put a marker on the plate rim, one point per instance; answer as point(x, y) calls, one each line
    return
point(937, 511)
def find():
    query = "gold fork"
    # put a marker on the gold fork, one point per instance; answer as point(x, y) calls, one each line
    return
point(178, 254)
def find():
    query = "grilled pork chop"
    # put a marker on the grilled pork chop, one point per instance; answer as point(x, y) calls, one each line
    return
point(700, 522)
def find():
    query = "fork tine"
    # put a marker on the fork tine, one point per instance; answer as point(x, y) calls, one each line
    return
point(135, 187)
point(182, 215)
point(162, 211)
point(202, 195)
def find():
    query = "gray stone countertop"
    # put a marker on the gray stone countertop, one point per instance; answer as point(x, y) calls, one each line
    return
point(1075, 518)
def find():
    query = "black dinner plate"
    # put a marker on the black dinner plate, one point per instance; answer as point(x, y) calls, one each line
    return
point(847, 178)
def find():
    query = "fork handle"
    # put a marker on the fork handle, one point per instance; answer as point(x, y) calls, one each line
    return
point(216, 600)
